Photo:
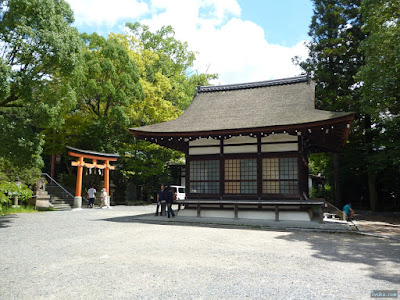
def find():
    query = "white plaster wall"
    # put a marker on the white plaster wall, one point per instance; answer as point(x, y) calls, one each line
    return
point(294, 216)
point(204, 142)
point(279, 147)
point(270, 215)
point(204, 150)
point(263, 215)
point(279, 137)
point(240, 140)
point(210, 213)
point(240, 149)
point(207, 213)
point(247, 214)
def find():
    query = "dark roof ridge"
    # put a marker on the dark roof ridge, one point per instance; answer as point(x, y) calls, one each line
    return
point(251, 85)
point(88, 152)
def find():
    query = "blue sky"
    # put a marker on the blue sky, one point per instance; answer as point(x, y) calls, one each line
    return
point(285, 22)
point(241, 40)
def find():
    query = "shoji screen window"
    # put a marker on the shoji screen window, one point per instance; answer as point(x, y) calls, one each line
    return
point(204, 177)
point(241, 176)
point(280, 175)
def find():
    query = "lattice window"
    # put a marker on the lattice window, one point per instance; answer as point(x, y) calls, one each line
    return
point(204, 177)
point(280, 175)
point(241, 176)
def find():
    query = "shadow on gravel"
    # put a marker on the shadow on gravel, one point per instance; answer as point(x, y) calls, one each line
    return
point(144, 219)
point(370, 251)
point(6, 220)
point(151, 219)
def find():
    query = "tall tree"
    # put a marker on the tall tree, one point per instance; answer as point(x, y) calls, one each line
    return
point(381, 73)
point(108, 87)
point(171, 59)
point(37, 44)
point(380, 77)
point(334, 56)
point(38, 54)
point(334, 60)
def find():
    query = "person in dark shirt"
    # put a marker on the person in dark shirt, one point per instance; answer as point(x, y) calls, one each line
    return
point(162, 195)
point(170, 200)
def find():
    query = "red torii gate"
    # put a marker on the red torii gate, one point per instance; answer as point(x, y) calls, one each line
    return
point(94, 156)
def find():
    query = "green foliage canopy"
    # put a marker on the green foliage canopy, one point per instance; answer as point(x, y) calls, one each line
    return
point(38, 48)
point(172, 59)
point(354, 58)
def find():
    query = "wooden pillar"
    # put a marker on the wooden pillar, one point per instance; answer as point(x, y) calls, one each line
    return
point(320, 214)
point(198, 210)
point(107, 177)
point(276, 213)
point(336, 172)
point(78, 191)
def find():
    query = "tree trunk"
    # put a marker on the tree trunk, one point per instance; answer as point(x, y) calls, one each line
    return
point(53, 166)
point(336, 171)
point(373, 194)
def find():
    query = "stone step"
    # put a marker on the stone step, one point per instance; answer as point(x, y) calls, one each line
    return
point(59, 197)
point(61, 207)
point(62, 201)
point(57, 192)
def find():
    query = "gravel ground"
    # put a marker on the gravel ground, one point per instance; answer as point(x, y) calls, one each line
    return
point(106, 254)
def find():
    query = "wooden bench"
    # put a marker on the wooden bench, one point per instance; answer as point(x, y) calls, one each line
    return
point(276, 204)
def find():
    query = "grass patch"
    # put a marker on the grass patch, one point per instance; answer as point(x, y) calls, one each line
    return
point(255, 226)
point(17, 210)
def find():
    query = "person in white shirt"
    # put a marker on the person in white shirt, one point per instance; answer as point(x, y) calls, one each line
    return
point(91, 196)
point(103, 198)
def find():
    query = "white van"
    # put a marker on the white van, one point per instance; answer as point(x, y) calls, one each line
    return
point(179, 192)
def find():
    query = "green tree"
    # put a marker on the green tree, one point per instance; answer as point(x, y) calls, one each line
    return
point(121, 84)
point(381, 93)
point(381, 72)
point(169, 84)
point(334, 56)
point(108, 86)
point(354, 57)
point(334, 60)
point(171, 59)
point(38, 46)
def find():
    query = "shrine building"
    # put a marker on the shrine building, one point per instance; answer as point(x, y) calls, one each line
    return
point(250, 142)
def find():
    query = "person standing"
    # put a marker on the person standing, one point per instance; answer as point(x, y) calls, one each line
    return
point(103, 198)
point(161, 199)
point(170, 200)
point(91, 196)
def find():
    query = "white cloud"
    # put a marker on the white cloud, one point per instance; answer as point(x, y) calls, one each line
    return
point(104, 12)
point(236, 49)
point(227, 45)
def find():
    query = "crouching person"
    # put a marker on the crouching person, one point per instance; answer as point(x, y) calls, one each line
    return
point(349, 212)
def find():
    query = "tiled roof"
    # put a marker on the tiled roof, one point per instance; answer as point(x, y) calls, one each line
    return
point(252, 85)
point(94, 153)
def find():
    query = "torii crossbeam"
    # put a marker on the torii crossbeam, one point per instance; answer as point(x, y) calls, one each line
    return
point(94, 156)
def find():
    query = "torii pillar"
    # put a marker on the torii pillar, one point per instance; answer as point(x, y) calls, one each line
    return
point(94, 156)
